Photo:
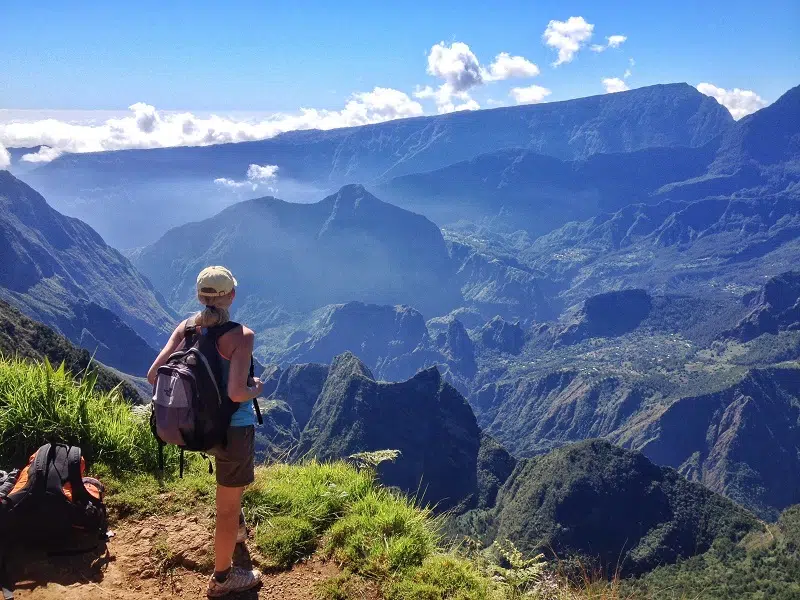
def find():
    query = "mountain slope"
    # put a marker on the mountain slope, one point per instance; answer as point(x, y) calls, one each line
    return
point(518, 188)
point(59, 271)
point(179, 181)
point(608, 504)
point(25, 338)
point(299, 257)
point(425, 418)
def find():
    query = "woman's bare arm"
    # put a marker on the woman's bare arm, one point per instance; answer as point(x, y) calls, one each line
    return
point(238, 390)
point(171, 346)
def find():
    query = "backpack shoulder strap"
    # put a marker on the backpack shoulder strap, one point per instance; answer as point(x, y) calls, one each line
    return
point(37, 471)
point(74, 474)
point(189, 331)
point(220, 330)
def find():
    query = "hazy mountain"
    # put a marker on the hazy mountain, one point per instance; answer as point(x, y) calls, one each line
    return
point(610, 505)
point(176, 182)
point(299, 257)
point(522, 189)
point(58, 270)
point(525, 188)
point(28, 339)
point(711, 248)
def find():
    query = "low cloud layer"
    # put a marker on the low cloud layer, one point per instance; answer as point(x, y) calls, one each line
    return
point(147, 127)
point(460, 71)
point(45, 154)
point(568, 37)
point(533, 94)
point(614, 84)
point(740, 103)
point(5, 158)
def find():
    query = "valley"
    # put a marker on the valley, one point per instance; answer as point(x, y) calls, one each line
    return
point(578, 322)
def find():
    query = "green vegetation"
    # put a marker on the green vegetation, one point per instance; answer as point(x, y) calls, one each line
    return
point(765, 565)
point(609, 505)
point(39, 403)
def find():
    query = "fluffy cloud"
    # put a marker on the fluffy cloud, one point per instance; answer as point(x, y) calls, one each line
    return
point(45, 154)
point(615, 41)
point(257, 175)
point(461, 71)
point(506, 66)
point(532, 94)
point(740, 103)
point(147, 127)
point(262, 172)
point(5, 157)
point(614, 84)
point(567, 37)
point(612, 41)
point(456, 64)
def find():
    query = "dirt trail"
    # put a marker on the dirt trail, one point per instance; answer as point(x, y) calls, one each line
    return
point(164, 558)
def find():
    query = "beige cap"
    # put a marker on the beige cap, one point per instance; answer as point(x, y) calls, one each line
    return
point(215, 281)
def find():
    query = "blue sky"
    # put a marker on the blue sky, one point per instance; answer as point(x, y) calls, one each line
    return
point(92, 76)
point(279, 56)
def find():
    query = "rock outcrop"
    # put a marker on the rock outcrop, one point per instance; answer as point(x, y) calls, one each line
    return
point(424, 417)
point(775, 308)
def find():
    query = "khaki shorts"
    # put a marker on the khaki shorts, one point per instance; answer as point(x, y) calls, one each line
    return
point(234, 464)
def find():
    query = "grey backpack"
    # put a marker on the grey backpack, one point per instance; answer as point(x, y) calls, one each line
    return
point(190, 407)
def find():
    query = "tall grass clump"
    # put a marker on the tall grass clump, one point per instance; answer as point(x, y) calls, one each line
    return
point(293, 506)
point(41, 404)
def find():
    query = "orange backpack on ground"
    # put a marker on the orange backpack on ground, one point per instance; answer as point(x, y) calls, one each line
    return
point(50, 503)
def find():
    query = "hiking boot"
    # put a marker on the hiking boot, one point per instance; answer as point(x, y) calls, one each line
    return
point(241, 535)
point(238, 580)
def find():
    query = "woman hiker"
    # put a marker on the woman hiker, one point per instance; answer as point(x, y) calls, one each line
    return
point(216, 290)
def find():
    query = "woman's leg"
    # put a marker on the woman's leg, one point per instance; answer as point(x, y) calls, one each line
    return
point(229, 505)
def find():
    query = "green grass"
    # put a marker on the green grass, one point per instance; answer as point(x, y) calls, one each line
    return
point(40, 404)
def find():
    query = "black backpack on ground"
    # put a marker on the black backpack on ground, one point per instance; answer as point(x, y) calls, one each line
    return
point(190, 407)
point(50, 504)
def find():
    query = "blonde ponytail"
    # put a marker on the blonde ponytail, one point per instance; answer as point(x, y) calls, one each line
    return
point(213, 315)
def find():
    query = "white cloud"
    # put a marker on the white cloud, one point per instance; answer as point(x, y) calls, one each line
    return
point(506, 66)
point(44, 155)
point(262, 172)
point(740, 103)
point(456, 64)
point(614, 84)
point(147, 127)
point(424, 93)
point(615, 41)
point(257, 176)
point(461, 71)
point(5, 157)
point(532, 94)
point(627, 73)
point(567, 37)
point(612, 41)
point(233, 184)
